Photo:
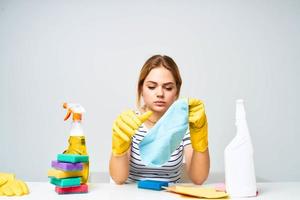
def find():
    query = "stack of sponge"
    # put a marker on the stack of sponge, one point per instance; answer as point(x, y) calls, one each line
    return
point(67, 172)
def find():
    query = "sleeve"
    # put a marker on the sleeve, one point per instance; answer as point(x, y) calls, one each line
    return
point(187, 138)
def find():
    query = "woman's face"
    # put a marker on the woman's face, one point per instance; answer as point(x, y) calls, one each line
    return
point(159, 90)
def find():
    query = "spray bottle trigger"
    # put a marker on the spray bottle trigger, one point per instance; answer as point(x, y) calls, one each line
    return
point(68, 114)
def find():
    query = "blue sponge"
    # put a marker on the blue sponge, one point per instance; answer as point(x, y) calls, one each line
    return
point(65, 182)
point(72, 158)
point(152, 185)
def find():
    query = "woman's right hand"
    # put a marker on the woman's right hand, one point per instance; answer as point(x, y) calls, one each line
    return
point(124, 128)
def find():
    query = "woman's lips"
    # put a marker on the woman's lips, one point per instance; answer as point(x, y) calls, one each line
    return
point(159, 103)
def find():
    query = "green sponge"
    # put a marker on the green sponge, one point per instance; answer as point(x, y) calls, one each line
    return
point(72, 158)
point(65, 182)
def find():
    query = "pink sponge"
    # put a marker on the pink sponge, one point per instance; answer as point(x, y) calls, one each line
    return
point(83, 188)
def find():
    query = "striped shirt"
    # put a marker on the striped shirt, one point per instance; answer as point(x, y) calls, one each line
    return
point(170, 171)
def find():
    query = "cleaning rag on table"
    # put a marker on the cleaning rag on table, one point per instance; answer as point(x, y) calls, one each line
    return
point(198, 191)
point(162, 139)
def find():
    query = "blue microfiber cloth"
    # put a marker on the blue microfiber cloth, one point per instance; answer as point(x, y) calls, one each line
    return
point(162, 139)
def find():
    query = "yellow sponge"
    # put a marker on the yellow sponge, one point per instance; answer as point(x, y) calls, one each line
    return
point(63, 174)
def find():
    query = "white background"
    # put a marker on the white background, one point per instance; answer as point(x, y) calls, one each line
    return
point(90, 52)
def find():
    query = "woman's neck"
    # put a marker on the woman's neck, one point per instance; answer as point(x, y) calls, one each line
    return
point(153, 118)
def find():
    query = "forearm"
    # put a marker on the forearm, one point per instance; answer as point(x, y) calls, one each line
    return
point(199, 166)
point(119, 168)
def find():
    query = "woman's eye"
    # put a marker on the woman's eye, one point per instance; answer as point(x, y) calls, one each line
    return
point(169, 88)
point(151, 87)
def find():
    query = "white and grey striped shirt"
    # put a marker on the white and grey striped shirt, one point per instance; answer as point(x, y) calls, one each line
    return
point(170, 171)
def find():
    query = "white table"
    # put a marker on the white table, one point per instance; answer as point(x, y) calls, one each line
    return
point(105, 191)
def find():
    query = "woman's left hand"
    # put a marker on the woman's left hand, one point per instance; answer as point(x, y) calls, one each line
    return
point(198, 125)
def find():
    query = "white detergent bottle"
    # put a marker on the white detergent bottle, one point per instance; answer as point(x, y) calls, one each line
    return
point(240, 177)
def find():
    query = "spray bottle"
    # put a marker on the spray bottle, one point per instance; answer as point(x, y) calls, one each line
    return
point(77, 143)
point(239, 165)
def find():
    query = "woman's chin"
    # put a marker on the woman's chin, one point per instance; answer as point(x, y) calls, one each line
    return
point(159, 109)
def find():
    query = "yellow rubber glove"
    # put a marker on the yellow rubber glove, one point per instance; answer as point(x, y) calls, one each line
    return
point(124, 128)
point(198, 125)
point(9, 186)
point(4, 177)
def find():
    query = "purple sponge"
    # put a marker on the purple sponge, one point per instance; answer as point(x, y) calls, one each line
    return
point(66, 166)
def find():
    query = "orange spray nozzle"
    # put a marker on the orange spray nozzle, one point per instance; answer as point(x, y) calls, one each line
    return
point(74, 109)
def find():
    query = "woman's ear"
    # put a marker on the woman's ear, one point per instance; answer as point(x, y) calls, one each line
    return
point(177, 96)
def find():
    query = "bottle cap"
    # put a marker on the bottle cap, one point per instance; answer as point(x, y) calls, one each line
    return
point(240, 110)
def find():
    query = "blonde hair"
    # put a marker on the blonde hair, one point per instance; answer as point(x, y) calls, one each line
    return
point(154, 62)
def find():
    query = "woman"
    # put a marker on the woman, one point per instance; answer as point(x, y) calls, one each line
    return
point(158, 87)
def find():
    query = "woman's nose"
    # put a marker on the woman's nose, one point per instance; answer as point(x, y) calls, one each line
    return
point(159, 92)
